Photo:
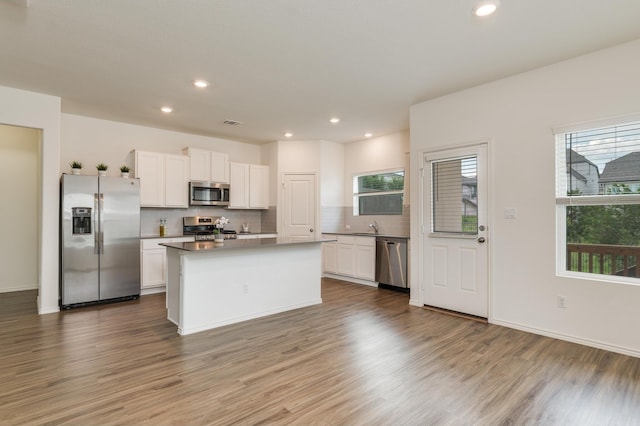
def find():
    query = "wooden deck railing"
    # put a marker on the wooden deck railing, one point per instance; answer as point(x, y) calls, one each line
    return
point(604, 259)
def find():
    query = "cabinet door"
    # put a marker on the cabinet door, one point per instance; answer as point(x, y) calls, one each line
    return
point(345, 257)
point(366, 262)
point(258, 186)
point(239, 185)
point(199, 164)
point(154, 266)
point(177, 181)
point(149, 167)
point(329, 258)
point(219, 169)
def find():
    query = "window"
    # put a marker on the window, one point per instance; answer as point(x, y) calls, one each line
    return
point(378, 194)
point(598, 202)
point(454, 204)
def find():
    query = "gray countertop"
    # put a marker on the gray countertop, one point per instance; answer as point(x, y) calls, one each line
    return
point(210, 246)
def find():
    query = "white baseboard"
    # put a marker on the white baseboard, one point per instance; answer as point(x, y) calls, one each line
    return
point(573, 339)
point(153, 290)
point(18, 288)
point(350, 279)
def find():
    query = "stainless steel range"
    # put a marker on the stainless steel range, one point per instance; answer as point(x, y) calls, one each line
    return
point(202, 227)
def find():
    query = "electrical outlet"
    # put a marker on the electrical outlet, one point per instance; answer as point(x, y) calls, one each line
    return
point(562, 302)
point(347, 227)
point(245, 288)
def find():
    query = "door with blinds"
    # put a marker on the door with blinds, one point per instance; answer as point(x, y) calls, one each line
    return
point(454, 230)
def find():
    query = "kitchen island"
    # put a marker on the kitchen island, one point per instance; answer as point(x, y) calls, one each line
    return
point(214, 284)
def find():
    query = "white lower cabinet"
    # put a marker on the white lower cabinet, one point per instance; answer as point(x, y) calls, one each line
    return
point(351, 257)
point(153, 262)
point(329, 258)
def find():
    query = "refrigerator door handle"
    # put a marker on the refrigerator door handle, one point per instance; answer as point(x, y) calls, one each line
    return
point(96, 227)
point(101, 198)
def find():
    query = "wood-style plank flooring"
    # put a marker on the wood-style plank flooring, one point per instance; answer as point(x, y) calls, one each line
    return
point(362, 357)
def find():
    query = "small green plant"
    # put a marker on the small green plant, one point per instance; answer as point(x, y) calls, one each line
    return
point(124, 169)
point(102, 166)
point(75, 165)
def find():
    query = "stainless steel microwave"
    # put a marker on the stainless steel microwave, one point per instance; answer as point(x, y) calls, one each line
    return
point(208, 194)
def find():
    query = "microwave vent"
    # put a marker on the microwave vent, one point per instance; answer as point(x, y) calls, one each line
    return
point(232, 122)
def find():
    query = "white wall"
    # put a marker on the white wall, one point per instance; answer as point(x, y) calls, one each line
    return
point(19, 159)
point(372, 155)
point(331, 174)
point(92, 141)
point(28, 109)
point(517, 115)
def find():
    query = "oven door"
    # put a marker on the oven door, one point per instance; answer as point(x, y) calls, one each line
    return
point(208, 194)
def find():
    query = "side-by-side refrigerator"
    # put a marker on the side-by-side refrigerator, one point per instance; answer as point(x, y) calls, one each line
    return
point(99, 239)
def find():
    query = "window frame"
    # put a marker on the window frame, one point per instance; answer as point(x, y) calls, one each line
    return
point(562, 201)
point(357, 195)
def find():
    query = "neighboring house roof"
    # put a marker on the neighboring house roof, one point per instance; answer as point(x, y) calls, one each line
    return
point(623, 169)
point(577, 175)
point(469, 181)
point(575, 158)
point(469, 202)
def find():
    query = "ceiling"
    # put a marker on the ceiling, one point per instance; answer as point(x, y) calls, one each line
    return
point(286, 65)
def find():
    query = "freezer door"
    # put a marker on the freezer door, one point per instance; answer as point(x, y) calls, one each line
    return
point(78, 251)
point(120, 237)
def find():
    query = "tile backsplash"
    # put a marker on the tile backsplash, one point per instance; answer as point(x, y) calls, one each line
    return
point(150, 219)
point(336, 219)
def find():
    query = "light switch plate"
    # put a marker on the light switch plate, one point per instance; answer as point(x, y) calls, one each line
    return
point(510, 213)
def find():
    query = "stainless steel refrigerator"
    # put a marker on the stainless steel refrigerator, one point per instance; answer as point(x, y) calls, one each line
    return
point(99, 239)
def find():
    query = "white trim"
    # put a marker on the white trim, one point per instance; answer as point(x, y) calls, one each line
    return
point(598, 200)
point(350, 279)
point(568, 338)
point(596, 124)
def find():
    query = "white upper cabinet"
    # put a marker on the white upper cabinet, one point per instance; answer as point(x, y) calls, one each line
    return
point(149, 168)
point(208, 166)
point(176, 181)
point(164, 179)
point(249, 186)
point(258, 186)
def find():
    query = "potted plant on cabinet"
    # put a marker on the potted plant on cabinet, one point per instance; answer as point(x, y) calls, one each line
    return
point(76, 166)
point(102, 169)
point(124, 171)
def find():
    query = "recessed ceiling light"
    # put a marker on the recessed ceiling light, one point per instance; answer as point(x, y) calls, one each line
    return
point(288, 135)
point(166, 109)
point(368, 135)
point(485, 8)
point(201, 84)
point(334, 120)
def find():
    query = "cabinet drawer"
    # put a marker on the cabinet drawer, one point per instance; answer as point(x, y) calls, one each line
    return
point(346, 239)
point(366, 241)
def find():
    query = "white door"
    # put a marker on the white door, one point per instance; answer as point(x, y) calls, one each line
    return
point(299, 205)
point(454, 230)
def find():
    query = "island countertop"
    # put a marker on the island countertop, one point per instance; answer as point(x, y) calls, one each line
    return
point(238, 244)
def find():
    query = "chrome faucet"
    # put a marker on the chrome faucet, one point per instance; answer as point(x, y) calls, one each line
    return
point(374, 226)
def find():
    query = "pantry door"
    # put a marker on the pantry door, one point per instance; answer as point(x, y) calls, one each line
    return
point(299, 206)
point(454, 230)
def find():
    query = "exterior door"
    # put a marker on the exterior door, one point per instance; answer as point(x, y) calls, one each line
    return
point(454, 230)
point(299, 205)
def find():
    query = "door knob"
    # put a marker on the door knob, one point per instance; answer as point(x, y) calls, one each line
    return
point(481, 240)
point(310, 229)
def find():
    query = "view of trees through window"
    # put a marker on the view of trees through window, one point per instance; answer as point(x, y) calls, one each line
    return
point(600, 192)
point(379, 194)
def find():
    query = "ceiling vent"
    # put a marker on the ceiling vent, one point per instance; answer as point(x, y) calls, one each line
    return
point(232, 122)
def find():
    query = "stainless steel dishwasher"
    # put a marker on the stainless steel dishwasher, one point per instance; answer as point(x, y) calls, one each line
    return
point(391, 262)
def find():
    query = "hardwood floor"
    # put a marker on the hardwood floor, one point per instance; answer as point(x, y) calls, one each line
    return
point(362, 357)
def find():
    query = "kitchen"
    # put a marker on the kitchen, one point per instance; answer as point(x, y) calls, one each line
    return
point(115, 144)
